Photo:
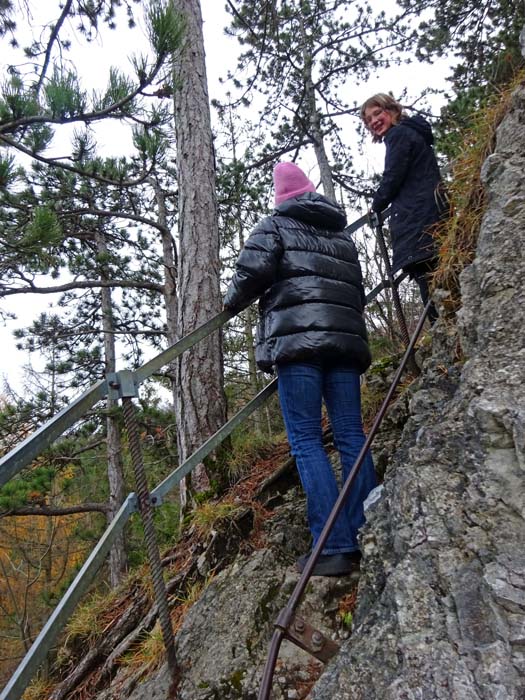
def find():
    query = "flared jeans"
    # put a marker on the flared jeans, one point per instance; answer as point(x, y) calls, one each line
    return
point(302, 388)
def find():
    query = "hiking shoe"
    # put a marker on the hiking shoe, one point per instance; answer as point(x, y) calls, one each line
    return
point(332, 564)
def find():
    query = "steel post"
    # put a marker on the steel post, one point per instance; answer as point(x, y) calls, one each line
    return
point(375, 222)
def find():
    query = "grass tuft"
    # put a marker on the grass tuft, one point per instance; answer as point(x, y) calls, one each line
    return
point(208, 515)
point(457, 236)
point(91, 618)
point(39, 689)
point(149, 654)
point(247, 446)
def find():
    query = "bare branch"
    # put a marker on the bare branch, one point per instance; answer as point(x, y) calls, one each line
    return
point(50, 511)
point(56, 164)
point(85, 284)
point(52, 39)
point(120, 215)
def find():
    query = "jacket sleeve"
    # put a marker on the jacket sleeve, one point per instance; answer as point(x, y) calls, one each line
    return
point(256, 267)
point(398, 158)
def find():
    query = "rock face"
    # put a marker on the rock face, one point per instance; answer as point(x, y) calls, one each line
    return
point(223, 642)
point(441, 611)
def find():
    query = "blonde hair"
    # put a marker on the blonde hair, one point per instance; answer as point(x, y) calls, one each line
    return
point(386, 102)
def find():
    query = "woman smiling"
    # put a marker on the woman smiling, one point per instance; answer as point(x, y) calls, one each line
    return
point(408, 184)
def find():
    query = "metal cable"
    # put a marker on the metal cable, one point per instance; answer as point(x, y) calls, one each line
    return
point(146, 512)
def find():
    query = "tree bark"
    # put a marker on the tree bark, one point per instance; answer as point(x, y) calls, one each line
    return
point(252, 365)
point(118, 561)
point(314, 120)
point(169, 258)
point(248, 320)
point(201, 402)
point(249, 315)
point(53, 511)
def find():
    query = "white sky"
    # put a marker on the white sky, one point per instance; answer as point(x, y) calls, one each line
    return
point(93, 62)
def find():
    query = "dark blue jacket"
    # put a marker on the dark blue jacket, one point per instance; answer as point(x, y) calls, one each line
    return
point(408, 185)
point(306, 269)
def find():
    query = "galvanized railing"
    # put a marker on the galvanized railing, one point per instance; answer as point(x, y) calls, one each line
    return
point(123, 385)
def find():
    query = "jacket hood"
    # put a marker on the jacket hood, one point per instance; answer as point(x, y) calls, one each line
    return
point(421, 126)
point(315, 209)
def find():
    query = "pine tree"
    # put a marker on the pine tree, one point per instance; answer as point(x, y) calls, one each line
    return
point(299, 56)
point(201, 402)
point(97, 254)
point(53, 227)
point(483, 43)
point(243, 200)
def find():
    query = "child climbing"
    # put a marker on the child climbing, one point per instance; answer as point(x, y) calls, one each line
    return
point(305, 269)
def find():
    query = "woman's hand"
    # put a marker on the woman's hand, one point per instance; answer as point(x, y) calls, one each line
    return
point(375, 218)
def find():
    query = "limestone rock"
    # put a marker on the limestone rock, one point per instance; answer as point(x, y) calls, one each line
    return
point(442, 596)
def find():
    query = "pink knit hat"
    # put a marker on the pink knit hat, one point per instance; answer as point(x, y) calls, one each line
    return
point(290, 181)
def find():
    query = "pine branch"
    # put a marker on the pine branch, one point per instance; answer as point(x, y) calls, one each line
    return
point(85, 284)
point(256, 72)
point(359, 192)
point(89, 116)
point(64, 166)
point(120, 215)
point(277, 154)
point(81, 450)
point(52, 39)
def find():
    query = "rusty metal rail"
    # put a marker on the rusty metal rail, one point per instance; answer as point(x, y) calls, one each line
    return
point(376, 223)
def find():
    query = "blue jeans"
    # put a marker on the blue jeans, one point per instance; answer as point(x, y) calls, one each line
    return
point(302, 388)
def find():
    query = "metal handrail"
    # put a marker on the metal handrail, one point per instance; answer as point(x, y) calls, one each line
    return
point(183, 344)
point(45, 640)
point(211, 443)
point(376, 222)
point(26, 451)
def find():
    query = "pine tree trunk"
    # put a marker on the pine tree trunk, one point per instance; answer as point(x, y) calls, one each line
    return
point(118, 561)
point(169, 258)
point(248, 315)
point(201, 402)
point(314, 120)
point(248, 319)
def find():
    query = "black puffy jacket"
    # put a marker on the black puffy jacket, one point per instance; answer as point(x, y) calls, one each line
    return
point(409, 181)
point(306, 269)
